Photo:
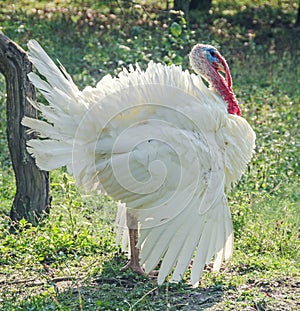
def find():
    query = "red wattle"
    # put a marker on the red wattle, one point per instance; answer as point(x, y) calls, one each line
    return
point(234, 109)
point(224, 87)
point(226, 92)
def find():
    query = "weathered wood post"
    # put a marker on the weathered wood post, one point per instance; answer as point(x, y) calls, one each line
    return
point(32, 199)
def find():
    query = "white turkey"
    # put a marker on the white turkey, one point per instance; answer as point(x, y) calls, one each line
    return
point(160, 142)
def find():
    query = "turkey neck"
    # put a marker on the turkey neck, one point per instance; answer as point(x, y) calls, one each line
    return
point(224, 88)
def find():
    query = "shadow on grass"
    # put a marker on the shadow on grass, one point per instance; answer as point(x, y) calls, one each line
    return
point(141, 293)
point(109, 290)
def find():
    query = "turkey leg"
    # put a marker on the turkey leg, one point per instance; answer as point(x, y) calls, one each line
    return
point(133, 263)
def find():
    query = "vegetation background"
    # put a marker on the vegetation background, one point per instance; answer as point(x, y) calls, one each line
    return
point(70, 261)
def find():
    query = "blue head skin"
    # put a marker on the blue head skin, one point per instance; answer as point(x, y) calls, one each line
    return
point(213, 56)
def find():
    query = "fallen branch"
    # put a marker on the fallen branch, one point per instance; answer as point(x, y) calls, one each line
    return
point(32, 282)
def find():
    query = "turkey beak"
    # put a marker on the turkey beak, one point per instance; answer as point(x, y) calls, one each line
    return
point(219, 65)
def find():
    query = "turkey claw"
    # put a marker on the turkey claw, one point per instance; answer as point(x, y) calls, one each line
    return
point(136, 268)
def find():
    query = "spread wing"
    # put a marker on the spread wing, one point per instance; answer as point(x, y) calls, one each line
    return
point(172, 180)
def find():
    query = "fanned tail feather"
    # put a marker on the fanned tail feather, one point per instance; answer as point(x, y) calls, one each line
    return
point(122, 237)
point(64, 112)
point(56, 78)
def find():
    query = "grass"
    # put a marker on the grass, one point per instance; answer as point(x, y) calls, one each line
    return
point(70, 261)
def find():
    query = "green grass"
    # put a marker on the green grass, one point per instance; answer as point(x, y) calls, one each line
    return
point(70, 261)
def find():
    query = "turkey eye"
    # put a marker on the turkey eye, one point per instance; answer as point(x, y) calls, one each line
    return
point(213, 53)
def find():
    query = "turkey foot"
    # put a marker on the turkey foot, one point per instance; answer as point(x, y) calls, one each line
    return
point(135, 267)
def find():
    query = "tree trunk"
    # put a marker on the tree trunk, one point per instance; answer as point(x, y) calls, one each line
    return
point(188, 5)
point(297, 24)
point(201, 5)
point(182, 5)
point(32, 199)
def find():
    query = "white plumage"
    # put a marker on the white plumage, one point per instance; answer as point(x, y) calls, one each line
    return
point(157, 140)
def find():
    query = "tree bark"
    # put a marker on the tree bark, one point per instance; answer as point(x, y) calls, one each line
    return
point(182, 5)
point(188, 5)
point(297, 24)
point(32, 199)
point(201, 5)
